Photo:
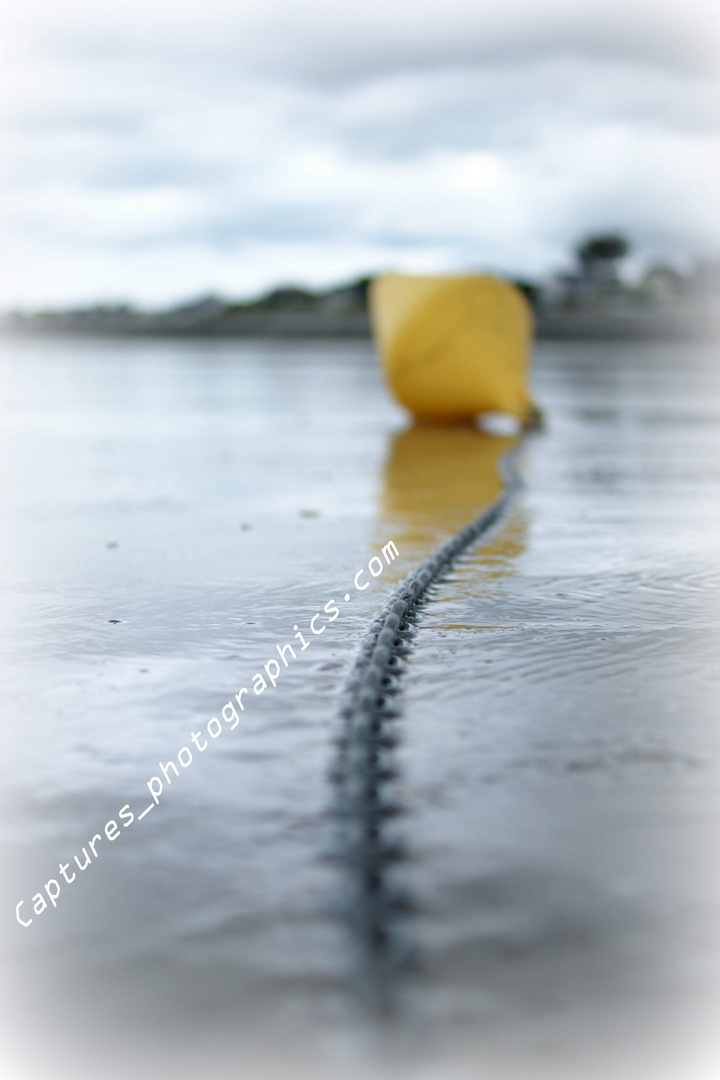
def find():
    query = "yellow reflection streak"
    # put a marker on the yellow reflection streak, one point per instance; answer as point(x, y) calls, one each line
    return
point(436, 480)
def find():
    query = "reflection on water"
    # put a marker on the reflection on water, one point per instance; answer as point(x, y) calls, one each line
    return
point(436, 480)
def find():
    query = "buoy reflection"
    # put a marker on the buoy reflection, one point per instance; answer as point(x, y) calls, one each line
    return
point(436, 480)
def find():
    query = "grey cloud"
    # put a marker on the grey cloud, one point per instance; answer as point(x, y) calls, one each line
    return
point(512, 106)
point(349, 43)
point(498, 103)
point(224, 225)
point(53, 119)
point(231, 226)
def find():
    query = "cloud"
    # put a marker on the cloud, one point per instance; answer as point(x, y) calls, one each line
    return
point(162, 148)
point(322, 40)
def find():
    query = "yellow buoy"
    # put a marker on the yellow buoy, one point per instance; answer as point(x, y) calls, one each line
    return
point(454, 347)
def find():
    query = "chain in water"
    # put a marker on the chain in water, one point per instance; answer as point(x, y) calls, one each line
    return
point(364, 766)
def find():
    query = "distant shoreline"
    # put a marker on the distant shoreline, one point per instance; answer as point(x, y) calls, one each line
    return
point(687, 322)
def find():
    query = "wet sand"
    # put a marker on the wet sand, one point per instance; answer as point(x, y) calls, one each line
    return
point(558, 764)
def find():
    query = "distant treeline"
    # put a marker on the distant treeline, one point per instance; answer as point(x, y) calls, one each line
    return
point(591, 301)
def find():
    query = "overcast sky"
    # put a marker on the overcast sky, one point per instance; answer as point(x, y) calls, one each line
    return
point(156, 150)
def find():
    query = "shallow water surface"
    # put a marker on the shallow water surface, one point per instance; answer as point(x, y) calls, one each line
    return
point(171, 512)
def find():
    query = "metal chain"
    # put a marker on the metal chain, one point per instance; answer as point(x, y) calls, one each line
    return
point(364, 766)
